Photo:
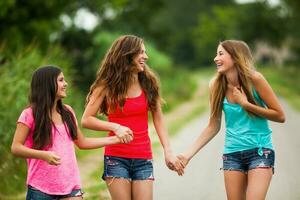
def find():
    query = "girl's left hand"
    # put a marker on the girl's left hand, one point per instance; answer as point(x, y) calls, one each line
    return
point(239, 96)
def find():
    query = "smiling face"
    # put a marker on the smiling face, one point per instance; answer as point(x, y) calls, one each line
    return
point(223, 60)
point(61, 86)
point(140, 58)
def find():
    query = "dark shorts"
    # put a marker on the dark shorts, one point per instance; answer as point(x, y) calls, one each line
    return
point(35, 194)
point(249, 159)
point(128, 168)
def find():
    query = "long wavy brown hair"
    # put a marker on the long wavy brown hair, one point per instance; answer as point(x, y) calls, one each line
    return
point(116, 73)
point(243, 62)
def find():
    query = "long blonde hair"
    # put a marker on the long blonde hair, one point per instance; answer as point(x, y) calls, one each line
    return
point(116, 73)
point(243, 62)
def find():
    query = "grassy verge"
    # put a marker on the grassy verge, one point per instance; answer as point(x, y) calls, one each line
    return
point(285, 82)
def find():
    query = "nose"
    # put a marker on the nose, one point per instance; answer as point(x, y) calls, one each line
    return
point(146, 56)
point(216, 58)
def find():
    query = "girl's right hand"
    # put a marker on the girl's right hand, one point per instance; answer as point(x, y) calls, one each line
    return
point(183, 161)
point(51, 158)
point(124, 134)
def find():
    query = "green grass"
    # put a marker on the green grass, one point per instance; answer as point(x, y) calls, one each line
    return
point(98, 189)
point(285, 82)
point(177, 86)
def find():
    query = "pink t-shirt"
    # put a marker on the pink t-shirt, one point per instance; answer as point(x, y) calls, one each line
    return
point(51, 179)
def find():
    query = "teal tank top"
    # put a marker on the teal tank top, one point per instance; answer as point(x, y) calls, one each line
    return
point(244, 132)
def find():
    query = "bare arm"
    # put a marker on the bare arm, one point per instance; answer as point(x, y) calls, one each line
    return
point(162, 133)
point(90, 121)
point(19, 149)
point(161, 129)
point(92, 143)
point(273, 111)
point(208, 133)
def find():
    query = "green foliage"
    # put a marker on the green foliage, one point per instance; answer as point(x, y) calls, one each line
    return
point(177, 86)
point(86, 52)
point(22, 22)
point(291, 10)
point(212, 29)
point(265, 24)
point(159, 61)
point(285, 82)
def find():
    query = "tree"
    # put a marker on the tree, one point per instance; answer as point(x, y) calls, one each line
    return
point(291, 10)
point(212, 28)
point(23, 22)
point(259, 21)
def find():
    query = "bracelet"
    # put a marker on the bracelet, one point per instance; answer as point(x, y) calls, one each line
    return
point(117, 128)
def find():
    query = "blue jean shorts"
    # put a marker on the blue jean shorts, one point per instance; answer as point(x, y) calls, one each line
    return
point(249, 159)
point(35, 194)
point(128, 168)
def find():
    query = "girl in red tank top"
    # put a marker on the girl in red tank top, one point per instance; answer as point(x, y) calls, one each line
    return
point(125, 90)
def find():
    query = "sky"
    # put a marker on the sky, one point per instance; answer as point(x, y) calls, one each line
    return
point(271, 2)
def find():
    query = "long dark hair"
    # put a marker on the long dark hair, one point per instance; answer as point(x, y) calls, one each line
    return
point(115, 74)
point(42, 99)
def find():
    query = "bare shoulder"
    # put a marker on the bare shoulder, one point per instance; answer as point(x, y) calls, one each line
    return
point(212, 82)
point(99, 91)
point(257, 77)
point(68, 107)
point(97, 94)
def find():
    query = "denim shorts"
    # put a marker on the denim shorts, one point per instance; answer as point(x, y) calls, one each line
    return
point(249, 159)
point(128, 168)
point(35, 194)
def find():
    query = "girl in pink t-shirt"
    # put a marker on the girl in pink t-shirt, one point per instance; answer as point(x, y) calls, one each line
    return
point(45, 134)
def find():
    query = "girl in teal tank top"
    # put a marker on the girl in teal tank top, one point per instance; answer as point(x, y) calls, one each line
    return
point(244, 132)
point(248, 102)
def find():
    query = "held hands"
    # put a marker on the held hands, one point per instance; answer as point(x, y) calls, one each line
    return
point(239, 96)
point(124, 134)
point(51, 158)
point(182, 162)
point(174, 163)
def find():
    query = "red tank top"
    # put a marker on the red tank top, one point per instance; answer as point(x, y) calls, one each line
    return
point(135, 117)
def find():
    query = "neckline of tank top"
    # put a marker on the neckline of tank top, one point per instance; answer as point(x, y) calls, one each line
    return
point(141, 93)
point(230, 103)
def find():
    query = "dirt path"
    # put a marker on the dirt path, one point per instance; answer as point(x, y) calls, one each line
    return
point(204, 180)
